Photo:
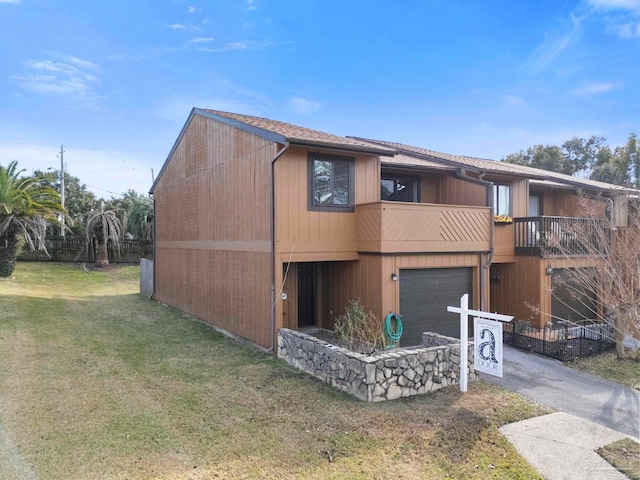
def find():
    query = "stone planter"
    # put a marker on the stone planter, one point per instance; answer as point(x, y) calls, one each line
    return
point(383, 376)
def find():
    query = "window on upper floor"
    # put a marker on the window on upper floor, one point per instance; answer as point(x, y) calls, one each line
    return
point(502, 199)
point(399, 188)
point(331, 183)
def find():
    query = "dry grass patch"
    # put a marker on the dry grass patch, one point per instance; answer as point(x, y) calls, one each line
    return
point(624, 455)
point(98, 382)
point(625, 372)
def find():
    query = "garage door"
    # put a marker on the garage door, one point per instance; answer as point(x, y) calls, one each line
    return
point(425, 295)
point(569, 300)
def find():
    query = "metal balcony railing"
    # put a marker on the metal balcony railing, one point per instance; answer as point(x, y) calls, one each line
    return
point(559, 236)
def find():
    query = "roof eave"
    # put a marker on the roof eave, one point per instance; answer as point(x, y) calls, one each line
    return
point(386, 152)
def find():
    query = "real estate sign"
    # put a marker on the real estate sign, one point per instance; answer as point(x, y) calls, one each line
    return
point(487, 337)
point(464, 312)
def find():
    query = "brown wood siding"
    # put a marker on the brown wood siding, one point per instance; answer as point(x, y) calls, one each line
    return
point(213, 232)
point(567, 204)
point(525, 282)
point(518, 284)
point(454, 191)
point(430, 187)
point(303, 232)
point(504, 244)
point(369, 281)
point(417, 227)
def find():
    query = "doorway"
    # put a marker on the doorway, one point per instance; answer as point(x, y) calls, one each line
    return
point(306, 295)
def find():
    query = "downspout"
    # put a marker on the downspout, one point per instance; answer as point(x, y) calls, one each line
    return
point(273, 246)
point(460, 174)
point(599, 197)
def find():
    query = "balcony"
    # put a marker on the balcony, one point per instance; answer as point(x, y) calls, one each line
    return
point(398, 227)
point(559, 236)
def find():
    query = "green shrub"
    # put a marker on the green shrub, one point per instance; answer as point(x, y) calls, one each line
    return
point(362, 331)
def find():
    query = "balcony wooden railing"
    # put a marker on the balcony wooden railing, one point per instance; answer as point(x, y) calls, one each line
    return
point(559, 236)
point(392, 227)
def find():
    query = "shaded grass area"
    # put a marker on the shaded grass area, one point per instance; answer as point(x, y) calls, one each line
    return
point(623, 455)
point(98, 382)
point(625, 372)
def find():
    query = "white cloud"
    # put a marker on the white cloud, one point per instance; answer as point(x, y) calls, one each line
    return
point(595, 88)
point(251, 5)
point(303, 106)
point(202, 40)
point(192, 9)
point(615, 4)
point(176, 26)
point(626, 30)
point(513, 100)
point(124, 57)
point(69, 76)
point(13, 2)
point(622, 17)
point(553, 45)
point(238, 46)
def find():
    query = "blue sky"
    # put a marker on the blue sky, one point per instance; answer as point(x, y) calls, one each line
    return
point(115, 81)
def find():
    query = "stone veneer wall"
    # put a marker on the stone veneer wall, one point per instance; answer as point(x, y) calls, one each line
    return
point(383, 376)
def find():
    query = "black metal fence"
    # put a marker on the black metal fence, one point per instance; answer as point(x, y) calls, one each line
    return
point(73, 249)
point(548, 236)
point(563, 342)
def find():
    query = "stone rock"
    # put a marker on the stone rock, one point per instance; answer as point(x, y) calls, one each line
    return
point(379, 391)
point(370, 373)
point(413, 361)
point(391, 363)
point(394, 392)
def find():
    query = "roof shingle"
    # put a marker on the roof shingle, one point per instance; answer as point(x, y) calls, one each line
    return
point(496, 167)
point(305, 136)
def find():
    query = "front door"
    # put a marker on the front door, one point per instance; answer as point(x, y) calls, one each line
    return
point(306, 294)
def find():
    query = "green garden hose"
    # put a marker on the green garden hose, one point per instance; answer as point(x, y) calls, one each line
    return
point(393, 335)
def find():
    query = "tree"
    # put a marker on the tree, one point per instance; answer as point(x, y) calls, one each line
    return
point(26, 207)
point(582, 154)
point(122, 203)
point(586, 158)
point(613, 277)
point(546, 157)
point(104, 231)
point(79, 201)
point(140, 219)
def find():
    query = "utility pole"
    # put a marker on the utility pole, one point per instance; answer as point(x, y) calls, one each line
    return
point(62, 230)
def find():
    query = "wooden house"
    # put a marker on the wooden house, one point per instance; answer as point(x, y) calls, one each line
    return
point(262, 225)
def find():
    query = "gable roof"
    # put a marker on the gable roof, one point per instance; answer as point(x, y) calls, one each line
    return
point(495, 167)
point(279, 132)
point(295, 135)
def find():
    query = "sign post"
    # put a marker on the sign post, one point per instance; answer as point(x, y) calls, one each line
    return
point(491, 342)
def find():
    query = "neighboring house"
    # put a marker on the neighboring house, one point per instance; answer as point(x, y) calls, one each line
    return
point(527, 268)
point(262, 225)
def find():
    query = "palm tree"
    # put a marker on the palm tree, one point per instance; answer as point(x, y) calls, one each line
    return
point(104, 230)
point(140, 223)
point(26, 207)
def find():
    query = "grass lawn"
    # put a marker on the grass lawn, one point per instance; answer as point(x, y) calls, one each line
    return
point(607, 365)
point(98, 382)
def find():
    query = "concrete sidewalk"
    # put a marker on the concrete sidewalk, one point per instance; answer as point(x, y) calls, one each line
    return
point(562, 447)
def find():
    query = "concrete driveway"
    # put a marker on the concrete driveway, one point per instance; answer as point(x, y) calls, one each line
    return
point(549, 382)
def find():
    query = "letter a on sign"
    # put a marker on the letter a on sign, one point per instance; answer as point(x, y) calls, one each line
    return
point(488, 342)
